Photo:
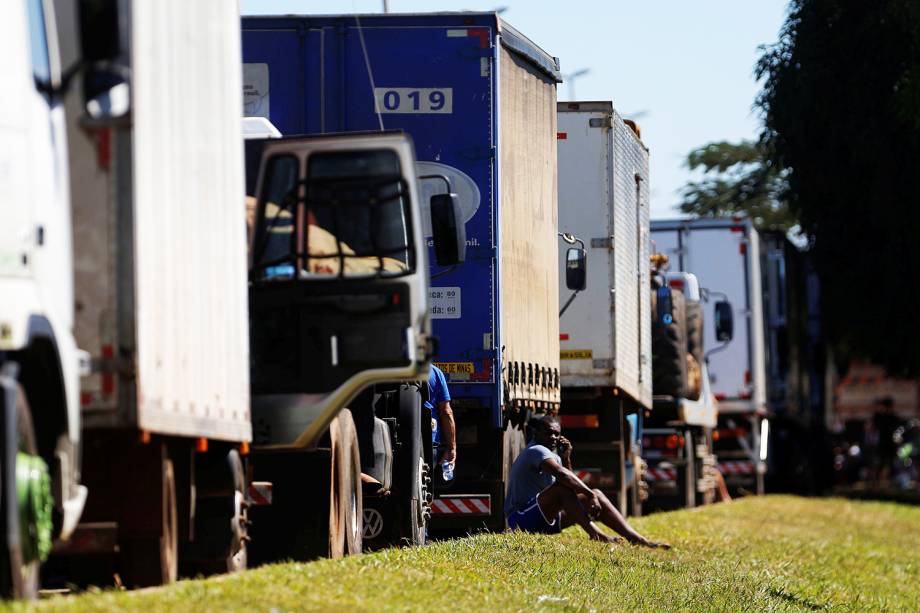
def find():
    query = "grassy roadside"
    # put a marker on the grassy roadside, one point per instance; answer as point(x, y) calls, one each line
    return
point(776, 552)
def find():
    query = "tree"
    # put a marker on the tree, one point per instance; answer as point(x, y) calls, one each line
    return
point(841, 105)
point(737, 178)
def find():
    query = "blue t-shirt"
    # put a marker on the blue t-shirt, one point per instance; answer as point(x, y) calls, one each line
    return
point(437, 393)
point(527, 479)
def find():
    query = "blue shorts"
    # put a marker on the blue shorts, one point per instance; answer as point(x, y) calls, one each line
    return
point(531, 519)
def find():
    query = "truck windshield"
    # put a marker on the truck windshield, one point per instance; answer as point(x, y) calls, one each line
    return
point(349, 217)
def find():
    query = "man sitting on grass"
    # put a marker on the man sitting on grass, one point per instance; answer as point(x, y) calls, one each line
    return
point(545, 496)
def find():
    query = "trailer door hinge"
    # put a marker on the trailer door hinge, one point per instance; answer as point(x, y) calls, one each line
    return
point(605, 242)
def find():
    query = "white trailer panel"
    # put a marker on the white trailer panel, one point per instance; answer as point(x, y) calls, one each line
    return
point(604, 200)
point(724, 256)
point(161, 234)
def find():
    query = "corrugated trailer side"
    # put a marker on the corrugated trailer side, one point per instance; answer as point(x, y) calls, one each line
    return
point(631, 264)
point(528, 222)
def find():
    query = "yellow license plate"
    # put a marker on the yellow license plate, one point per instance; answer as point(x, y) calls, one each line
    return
point(575, 354)
point(451, 368)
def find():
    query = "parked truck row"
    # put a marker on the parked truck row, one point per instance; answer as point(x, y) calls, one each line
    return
point(218, 344)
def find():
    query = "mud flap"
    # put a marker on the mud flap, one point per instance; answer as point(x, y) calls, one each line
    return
point(11, 550)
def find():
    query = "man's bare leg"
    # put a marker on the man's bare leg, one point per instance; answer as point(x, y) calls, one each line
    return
point(612, 518)
point(558, 498)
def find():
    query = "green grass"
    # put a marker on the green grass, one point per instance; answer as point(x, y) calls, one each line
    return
point(772, 553)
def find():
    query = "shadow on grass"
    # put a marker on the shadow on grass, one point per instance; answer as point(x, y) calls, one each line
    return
point(795, 600)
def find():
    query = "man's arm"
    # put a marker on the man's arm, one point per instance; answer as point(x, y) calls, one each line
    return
point(449, 431)
point(567, 478)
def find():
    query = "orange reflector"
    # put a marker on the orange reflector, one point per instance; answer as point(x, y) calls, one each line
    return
point(715, 435)
point(244, 448)
point(145, 437)
point(201, 445)
point(579, 421)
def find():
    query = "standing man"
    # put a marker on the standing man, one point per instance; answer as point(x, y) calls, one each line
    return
point(545, 496)
point(443, 429)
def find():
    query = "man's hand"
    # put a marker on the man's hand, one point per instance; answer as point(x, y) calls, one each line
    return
point(449, 455)
point(594, 506)
point(565, 447)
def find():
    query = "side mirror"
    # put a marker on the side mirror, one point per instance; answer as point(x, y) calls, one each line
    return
point(576, 269)
point(725, 321)
point(447, 229)
point(665, 305)
point(106, 94)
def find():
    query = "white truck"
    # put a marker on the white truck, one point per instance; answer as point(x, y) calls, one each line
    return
point(677, 435)
point(159, 238)
point(724, 254)
point(39, 360)
point(605, 330)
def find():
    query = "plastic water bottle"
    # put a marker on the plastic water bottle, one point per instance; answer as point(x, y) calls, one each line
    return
point(447, 470)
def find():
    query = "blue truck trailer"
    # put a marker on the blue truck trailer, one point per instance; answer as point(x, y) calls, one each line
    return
point(479, 100)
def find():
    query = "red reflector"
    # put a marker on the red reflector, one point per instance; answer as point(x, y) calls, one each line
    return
point(742, 248)
point(746, 395)
point(482, 33)
point(395, 299)
point(108, 378)
point(562, 135)
point(676, 283)
point(85, 398)
point(104, 148)
point(737, 228)
point(747, 377)
point(721, 396)
point(563, 337)
point(579, 421)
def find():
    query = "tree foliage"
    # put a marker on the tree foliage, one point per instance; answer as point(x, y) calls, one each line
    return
point(737, 178)
point(841, 106)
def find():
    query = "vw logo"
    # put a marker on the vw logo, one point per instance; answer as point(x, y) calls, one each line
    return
point(373, 523)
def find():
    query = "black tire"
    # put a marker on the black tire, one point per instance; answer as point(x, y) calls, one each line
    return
point(19, 580)
point(348, 483)
point(145, 558)
point(687, 474)
point(669, 350)
point(221, 517)
point(409, 475)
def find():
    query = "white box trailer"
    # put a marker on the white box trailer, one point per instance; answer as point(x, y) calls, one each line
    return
point(161, 286)
point(605, 331)
point(724, 254)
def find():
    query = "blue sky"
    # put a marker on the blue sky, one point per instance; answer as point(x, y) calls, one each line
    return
point(685, 69)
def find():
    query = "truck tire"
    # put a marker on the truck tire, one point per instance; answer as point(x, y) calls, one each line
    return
point(19, 579)
point(221, 517)
point(348, 480)
point(669, 350)
point(146, 557)
point(411, 470)
point(686, 489)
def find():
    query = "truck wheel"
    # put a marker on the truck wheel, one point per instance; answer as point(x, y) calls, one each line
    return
point(635, 488)
point(348, 484)
point(410, 470)
point(150, 557)
point(19, 567)
point(687, 489)
point(221, 517)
